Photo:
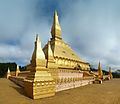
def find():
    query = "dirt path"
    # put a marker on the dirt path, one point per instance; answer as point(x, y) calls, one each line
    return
point(106, 93)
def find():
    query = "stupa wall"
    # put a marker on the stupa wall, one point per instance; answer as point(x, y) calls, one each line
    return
point(64, 78)
point(71, 63)
point(69, 78)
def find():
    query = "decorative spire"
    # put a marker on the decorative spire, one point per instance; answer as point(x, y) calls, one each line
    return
point(50, 58)
point(8, 73)
point(8, 70)
point(17, 71)
point(50, 53)
point(110, 73)
point(37, 38)
point(56, 29)
point(100, 73)
point(38, 53)
point(18, 68)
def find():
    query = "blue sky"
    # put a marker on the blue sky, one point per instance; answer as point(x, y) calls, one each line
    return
point(90, 27)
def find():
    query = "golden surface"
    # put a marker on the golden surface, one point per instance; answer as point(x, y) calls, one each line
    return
point(110, 73)
point(38, 57)
point(100, 73)
point(17, 71)
point(39, 82)
point(8, 73)
point(56, 29)
point(50, 57)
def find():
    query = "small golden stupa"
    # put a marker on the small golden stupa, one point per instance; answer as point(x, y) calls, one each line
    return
point(39, 82)
point(100, 73)
point(8, 73)
point(17, 71)
point(110, 73)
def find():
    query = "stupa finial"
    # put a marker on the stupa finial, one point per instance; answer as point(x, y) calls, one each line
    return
point(100, 73)
point(8, 73)
point(56, 29)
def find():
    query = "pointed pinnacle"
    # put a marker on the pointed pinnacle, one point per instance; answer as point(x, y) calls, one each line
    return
point(8, 70)
point(55, 13)
point(37, 37)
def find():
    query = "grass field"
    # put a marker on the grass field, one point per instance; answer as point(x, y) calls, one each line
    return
point(106, 93)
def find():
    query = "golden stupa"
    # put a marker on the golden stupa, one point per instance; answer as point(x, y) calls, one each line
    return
point(39, 82)
point(54, 68)
point(100, 73)
point(63, 55)
point(110, 73)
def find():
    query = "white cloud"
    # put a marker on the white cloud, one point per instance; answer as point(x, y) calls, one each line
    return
point(93, 30)
point(90, 27)
point(18, 26)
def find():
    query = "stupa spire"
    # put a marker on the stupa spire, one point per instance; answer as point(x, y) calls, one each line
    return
point(110, 73)
point(8, 73)
point(50, 57)
point(100, 73)
point(17, 70)
point(50, 53)
point(38, 53)
point(37, 38)
point(56, 29)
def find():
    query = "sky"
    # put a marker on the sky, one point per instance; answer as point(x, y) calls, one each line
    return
point(90, 27)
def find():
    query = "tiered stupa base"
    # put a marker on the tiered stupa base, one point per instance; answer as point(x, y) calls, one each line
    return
point(39, 84)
